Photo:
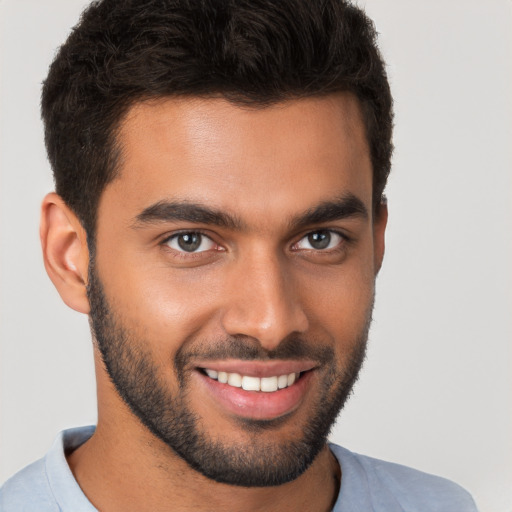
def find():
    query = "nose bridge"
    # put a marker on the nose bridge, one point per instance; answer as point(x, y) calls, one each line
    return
point(261, 302)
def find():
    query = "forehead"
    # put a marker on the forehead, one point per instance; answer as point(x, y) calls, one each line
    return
point(252, 161)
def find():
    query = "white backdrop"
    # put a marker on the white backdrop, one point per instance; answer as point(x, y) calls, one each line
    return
point(436, 392)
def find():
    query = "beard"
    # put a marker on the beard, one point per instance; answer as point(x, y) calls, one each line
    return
point(261, 462)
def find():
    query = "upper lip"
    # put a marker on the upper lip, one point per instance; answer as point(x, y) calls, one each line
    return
point(258, 368)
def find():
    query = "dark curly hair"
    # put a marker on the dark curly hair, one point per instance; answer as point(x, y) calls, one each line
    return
point(251, 52)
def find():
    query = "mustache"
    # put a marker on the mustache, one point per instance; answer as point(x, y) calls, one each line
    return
point(293, 347)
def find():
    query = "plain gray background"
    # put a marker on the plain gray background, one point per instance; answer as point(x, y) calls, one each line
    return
point(436, 392)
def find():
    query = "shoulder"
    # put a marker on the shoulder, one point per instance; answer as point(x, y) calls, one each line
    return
point(27, 489)
point(48, 485)
point(400, 487)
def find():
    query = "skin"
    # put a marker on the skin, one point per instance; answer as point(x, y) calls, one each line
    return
point(264, 167)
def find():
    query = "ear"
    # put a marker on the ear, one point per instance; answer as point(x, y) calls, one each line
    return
point(65, 252)
point(379, 231)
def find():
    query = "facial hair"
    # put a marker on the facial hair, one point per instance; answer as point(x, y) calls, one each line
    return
point(262, 462)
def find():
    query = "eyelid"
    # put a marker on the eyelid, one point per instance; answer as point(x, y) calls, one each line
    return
point(332, 231)
point(345, 239)
point(174, 235)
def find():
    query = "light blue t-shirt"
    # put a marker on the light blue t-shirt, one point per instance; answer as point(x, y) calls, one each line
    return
point(367, 485)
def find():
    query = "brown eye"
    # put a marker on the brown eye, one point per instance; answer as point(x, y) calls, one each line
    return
point(190, 242)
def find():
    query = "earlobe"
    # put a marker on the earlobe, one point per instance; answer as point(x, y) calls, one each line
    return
point(65, 252)
point(379, 234)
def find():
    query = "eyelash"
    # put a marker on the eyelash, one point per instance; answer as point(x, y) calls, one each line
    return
point(184, 254)
point(344, 239)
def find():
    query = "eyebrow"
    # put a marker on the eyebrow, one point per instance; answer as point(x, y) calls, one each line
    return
point(346, 206)
point(167, 211)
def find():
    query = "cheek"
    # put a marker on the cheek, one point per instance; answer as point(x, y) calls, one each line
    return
point(163, 306)
point(167, 306)
point(339, 302)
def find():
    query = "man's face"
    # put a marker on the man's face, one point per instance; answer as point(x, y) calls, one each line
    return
point(237, 245)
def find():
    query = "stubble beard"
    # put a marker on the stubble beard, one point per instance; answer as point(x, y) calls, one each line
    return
point(263, 462)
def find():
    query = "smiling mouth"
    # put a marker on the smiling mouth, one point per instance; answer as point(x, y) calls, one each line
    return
point(250, 383)
point(257, 390)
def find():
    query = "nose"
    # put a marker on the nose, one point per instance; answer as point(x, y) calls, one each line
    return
point(262, 302)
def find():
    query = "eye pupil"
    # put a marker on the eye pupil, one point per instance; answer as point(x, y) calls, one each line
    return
point(319, 239)
point(189, 241)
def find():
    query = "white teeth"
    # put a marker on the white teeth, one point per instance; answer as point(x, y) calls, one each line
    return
point(265, 384)
point(251, 383)
point(269, 384)
point(235, 380)
point(282, 381)
point(213, 374)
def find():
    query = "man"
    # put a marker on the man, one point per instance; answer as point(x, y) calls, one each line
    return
point(219, 215)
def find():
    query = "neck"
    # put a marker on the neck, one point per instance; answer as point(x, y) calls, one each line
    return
point(149, 477)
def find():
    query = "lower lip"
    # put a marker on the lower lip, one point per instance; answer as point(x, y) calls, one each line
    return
point(258, 405)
